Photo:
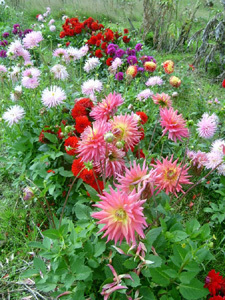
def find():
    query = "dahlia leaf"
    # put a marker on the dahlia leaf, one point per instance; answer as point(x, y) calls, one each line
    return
point(193, 290)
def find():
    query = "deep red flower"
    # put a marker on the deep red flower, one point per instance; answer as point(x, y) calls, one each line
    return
point(78, 110)
point(117, 35)
point(77, 167)
point(81, 123)
point(108, 35)
point(143, 116)
point(71, 145)
point(94, 26)
point(126, 39)
point(92, 40)
point(98, 187)
point(104, 45)
point(62, 34)
point(126, 31)
point(213, 282)
point(98, 53)
point(78, 29)
point(87, 176)
point(223, 83)
point(109, 61)
point(141, 129)
point(85, 102)
point(67, 44)
point(217, 298)
point(98, 43)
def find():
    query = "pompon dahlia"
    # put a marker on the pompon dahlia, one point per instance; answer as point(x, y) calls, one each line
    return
point(77, 167)
point(207, 125)
point(30, 78)
point(132, 71)
point(86, 102)
point(71, 144)
point(122, 216)
point(136, 178)
point(170, 176)
point(92, 145)
point(81, 123)
point(113, 163)
point(162, 100)
point(126, 129)
point(168, 66)
point(53, 96)
point(107, 108)
point(174, 124)
point(214, 282)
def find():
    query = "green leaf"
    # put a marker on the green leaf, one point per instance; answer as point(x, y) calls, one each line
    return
point(160, 277)
point(93, 193)
point(157, 261)
point(193, 290)
point(186, 277)
point(82, 211)
point(30, 273)
point(51, 137)
point(40, 265)
point(65, 173)
point(135, 282)
point(151, 236)
point(205, 231)
point(37, 245)
point(146, 293)
point(83, 273)
point(179, 255)
point(130, 263)
point(99, 248)
point(192, 226)
point(53, 234)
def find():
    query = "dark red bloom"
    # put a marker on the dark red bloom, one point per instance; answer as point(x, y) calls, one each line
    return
point(126, 31)
point(109, 61)
point(67, 44)
point(98, 53)
point(223, 83)
point(126, 39)
point(71, 145)
point(104, 45)
point(213, 282)
point(77, 167)
point(78, 110)
point(81, 123)
point(98, 187)
point(87, 176)
point(217, 298)
point(78, 29)
point(85, 102)
point(143, 116)
point(98, 43)
point(142, 133)
point(94, 26)
point(92, 40)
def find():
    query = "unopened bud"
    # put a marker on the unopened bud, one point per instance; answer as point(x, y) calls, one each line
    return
point(28, 193)
point(190, 122)
point(119, 145)
point(69, 129)
point(175, 94)
point(109, 137)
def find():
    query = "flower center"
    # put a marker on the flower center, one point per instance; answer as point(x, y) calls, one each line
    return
point(171, 174)
point(121, 215)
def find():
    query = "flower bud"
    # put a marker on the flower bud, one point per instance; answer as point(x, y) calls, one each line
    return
point(68, 129)
point(109, 137)
point(28, 193)
point(175, 81)
point(175, 94)
point(119, 145)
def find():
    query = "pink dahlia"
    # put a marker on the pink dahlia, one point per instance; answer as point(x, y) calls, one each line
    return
point(59, 72)
point(155, 80)
point(91, 64)
point(107, 108)
point(113, 162)
point(30, 78)
point(198, 159)
point(207, 126)
point(126, 130)
point(174, 124)
point(91, 86)
point(32, 39)
point(144, 95)
point(53, 96)
point(136, 178)
point(162, 100)
point(92, 145)
point(122, 216)
point(61, 53)
point(170, 176)
point(214, 158)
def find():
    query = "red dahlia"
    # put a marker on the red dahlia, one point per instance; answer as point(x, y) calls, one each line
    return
point(109, 61)
point(213, 282)
point(81, 123)
point(78, 110)
point(77, 166)
point(98, 53)
point(143, 116)
point(126, 39)
point(71, 145)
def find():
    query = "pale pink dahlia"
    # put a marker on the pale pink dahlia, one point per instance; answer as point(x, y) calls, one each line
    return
point(91, 86)
point(170, 176)
point(207, 126)
point(91, 64)
point(59, 72)
point(61, 53)
point(92, 145)
point(198, 159)
point(53, 96)
point(174, 124)
point(218, 146)
point(116, 63)
point(162, 100)
point(84, 50)
point(30, 78)
point(214, 158)
point(107, 108)
point(155, 80)
point(32, 39)
point(13, 115)
point(144, 95)
point(113, 162)
point(135, 178)
point(126, 130)
point(122, 216)
point(74, 53)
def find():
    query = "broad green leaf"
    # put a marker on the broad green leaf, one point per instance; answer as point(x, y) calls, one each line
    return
point(99, 248)
point(135, 282)
point(205, 231)
point(53, 234)
point(179, 235)
point(37, 245)
point(192, 226)
point(93, 193)
point(186, 277)
point(193, 290)
point(146, 293)
point(65, 173)
point(160, 277)
point(82, 211)
point(157, 261)
point(83, 273)
point(51, 137)
point(130, 263)
point(30, 273)
point(39, 265)
point(151, 236)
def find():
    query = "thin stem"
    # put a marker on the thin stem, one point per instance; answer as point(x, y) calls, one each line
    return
point(153, 133)
point(96, 180)
point(156, 144)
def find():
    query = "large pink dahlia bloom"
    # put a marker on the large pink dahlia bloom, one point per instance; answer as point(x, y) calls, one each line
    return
point(171, 176)
point(107, 108)
point(174, 124)
point(92, 145)
point(125, 128)
point(207, 126)
point(122, 216)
